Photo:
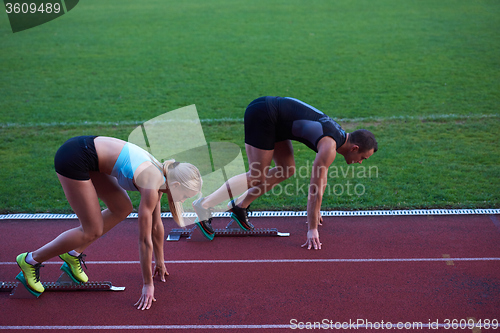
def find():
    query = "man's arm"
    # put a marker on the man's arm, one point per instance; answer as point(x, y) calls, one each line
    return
point(324, 158)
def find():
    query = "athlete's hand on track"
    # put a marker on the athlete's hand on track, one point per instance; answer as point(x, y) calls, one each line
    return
point(147, 297)
point(161, 271)
point(313, 240)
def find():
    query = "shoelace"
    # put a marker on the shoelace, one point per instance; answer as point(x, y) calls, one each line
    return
point(81, 260)
point(37, 271)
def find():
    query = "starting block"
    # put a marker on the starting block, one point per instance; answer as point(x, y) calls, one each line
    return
point(196, 235)
point(66, 282)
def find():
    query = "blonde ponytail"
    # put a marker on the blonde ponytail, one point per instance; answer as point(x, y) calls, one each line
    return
point(185, 173)
point(166, 165)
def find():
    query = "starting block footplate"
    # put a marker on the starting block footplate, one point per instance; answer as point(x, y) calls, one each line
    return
point(64, 283)
point(195, 234)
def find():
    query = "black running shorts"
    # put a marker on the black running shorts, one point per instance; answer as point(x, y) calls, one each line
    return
point(260, 125)
point(76, 157)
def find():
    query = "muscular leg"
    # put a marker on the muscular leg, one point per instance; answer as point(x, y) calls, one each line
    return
point(237, 184)
point(259, 161)
point(82, 198)
point(116, 200)
point(259, 179)
point(284, 169)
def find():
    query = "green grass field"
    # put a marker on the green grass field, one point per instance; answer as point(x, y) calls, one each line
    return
point(423, 75)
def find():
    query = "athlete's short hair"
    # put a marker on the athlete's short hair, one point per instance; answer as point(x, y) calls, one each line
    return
point(364, 139)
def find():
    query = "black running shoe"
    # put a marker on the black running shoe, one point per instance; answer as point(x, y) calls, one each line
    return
point(204, 217)
point(240, 215)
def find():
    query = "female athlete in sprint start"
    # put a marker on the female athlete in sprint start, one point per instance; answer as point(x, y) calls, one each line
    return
point(96, 167)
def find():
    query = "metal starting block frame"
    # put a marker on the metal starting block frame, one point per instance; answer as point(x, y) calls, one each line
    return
point(196, 235)
point(64, 283)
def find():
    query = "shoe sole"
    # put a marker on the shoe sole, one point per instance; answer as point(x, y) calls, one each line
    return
point(204, 232)
point(20, 278)
point(65, 268)
point(243, 227)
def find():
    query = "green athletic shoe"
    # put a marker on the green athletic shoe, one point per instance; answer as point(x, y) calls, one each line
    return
point(31, 273)
point(75, 267)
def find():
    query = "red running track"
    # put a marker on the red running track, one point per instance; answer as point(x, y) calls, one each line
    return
point(371, 271)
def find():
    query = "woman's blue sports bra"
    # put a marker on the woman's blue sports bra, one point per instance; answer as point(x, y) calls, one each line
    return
point(128, 161)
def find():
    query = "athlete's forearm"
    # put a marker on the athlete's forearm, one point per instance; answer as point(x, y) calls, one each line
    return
point(145, 254)
point(314, 199)
point(324, 158)
point(145, 244)
point(158, 239)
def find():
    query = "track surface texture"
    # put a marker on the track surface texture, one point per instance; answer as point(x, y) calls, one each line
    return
point(371, 271)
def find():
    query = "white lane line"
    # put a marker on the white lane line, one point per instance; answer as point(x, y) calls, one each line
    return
point(144, 327)
point(450, 116)
point(338, 325)
point(274, 261)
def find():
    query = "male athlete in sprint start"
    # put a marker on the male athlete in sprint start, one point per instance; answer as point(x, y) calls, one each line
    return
point(270, 125)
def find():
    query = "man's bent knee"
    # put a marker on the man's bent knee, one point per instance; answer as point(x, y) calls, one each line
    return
point(255, 180)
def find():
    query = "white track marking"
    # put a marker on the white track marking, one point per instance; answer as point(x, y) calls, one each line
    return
point(240, 120)
point(199, 327)
point(276, 261)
